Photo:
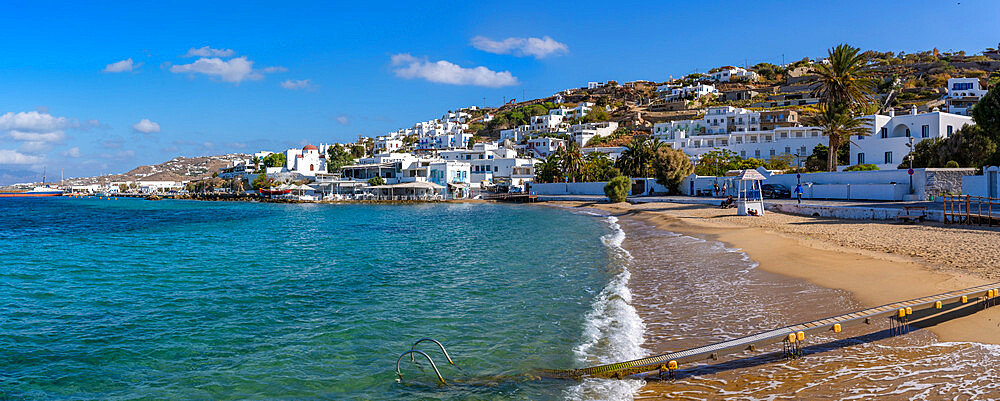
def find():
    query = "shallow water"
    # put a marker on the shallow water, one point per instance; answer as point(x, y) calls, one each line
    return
point(133, 299)
point(691, 292)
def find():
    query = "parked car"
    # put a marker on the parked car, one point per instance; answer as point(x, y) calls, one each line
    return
point(775, 191)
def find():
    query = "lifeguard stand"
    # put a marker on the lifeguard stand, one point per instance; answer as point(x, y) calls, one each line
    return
point(750, 201)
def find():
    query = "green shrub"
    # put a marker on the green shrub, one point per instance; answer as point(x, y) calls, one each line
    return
point(617, 189)
point(376, 180)
point(951, 164)
point(862, 167)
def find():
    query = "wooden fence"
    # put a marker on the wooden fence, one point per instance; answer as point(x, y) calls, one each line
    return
point(966, 209)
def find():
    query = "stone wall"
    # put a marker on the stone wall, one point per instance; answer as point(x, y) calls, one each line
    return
point(942, 181)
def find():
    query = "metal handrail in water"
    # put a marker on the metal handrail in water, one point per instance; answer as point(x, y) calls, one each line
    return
point(436, 371)
point(435, 342)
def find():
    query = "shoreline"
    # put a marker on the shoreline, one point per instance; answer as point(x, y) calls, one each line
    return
point(872, 277)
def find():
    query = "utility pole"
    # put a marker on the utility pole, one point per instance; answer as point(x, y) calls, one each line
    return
point(484, 102)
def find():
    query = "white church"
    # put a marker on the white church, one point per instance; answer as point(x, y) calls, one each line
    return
point(306, 161)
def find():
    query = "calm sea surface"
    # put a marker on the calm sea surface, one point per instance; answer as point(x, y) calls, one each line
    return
point(134, 299)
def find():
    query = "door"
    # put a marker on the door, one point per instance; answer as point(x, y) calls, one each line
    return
point(992, 184)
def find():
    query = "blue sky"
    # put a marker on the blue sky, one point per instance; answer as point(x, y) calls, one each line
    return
point(63, 107)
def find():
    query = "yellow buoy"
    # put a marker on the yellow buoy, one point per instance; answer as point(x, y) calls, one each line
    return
point(909, 310)
point(791, 337)
point(965, 299)
point(902, 312)
point(938, 305)
point(836, 328)
point(672, 365)
point(801, 336)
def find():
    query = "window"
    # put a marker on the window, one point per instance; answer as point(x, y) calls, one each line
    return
point(949, 130)
point(888, 157)
point(861, 158)
point(907, 132)
point(756, 153)
point(885, 132)
point(772, 153)
point(925, 131)
point(802, 151)
point(788, 150)
point(743, 153)
point(961, 86)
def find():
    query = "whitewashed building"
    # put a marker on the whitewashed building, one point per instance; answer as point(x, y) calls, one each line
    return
point(887, 147)
point(583, 133)
point(306, 161)
point(675, 92)
point(728, 74)
point(963, 93)
point(543, 147)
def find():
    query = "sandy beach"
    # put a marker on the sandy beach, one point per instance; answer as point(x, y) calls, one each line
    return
point(878, 262)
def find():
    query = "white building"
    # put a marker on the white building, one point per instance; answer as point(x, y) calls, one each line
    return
point(386, 144)
point(738, 130)
point(543, 147)
point(674, 92)
point(490, 164)
point(963, 93)
point(583, 133)
point(516, 134)
point(547, 123)
point(727, 74)
point(887, 146)
point(306, 161)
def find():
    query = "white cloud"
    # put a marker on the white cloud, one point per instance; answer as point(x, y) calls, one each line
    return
point(298, 84)
point(209, 52)
point(53, 136)
point(121, 66)
point(33, 121)
point(146, 127)
point(274, 69)
point(232, 70)
point(520, 47)
point(343, 120)
point(8, 156)
point(34, 147)
point(72, 152)
point(409, 67)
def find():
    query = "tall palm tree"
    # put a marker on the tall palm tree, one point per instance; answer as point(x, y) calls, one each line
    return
point(571, 160)
point(548, 169)
point(846, 78)
point(839, 125)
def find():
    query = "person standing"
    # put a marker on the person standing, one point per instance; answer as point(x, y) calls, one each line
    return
point(716, 189)
point(798, 192)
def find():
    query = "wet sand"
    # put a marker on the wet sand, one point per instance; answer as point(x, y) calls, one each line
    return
point(877, 262)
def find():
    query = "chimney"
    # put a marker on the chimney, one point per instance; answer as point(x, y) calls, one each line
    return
point(913, 110)
point(892, 112)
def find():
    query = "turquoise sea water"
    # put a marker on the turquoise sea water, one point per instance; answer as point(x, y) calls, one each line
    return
point(134, 299)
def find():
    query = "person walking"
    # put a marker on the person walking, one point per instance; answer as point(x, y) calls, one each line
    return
point(716, 189)
point(798, 192)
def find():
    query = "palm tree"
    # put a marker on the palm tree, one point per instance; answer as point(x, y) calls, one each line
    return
point(548, 169)
point(638, 154)
point(846, 79)
point(839, 125)
point(571, 160)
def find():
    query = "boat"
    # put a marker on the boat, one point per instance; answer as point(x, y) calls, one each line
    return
point(32, 193)
point(35, 192)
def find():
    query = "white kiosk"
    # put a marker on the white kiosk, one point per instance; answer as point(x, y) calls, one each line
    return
point(750, 201)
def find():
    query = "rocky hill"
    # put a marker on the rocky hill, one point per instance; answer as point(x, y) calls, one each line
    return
point(177, 169)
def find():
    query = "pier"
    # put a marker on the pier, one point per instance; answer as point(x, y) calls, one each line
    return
point(898, 314)
point(515, 197)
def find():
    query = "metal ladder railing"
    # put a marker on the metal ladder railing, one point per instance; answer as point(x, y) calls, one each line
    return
point(413, 350)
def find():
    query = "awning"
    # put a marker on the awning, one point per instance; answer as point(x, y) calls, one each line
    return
point(749, 174)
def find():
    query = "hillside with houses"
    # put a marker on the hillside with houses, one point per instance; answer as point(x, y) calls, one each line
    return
point(915, 107)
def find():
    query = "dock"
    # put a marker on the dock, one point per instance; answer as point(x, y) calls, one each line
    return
point(517, 197)
point(898, 314)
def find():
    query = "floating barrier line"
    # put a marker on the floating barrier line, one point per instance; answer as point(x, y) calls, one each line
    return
point(792, 336)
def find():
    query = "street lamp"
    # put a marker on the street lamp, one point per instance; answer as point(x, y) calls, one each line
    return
point(910, 157)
